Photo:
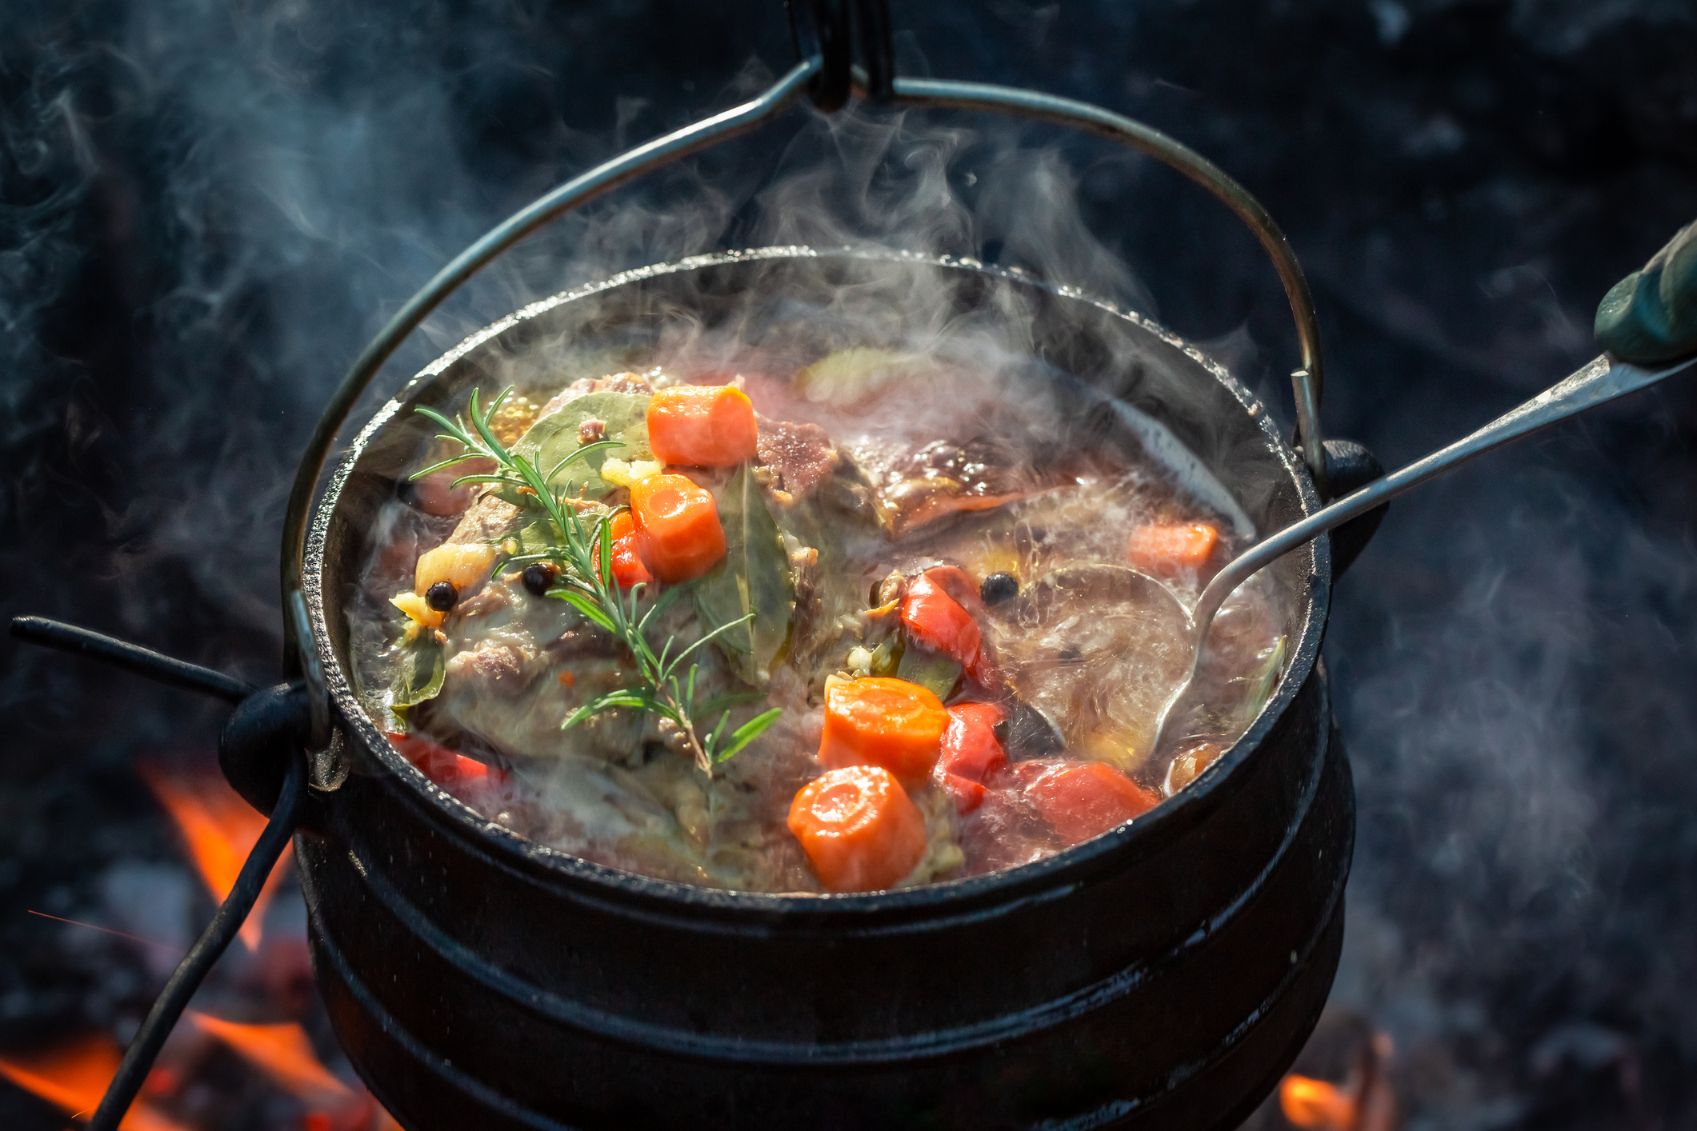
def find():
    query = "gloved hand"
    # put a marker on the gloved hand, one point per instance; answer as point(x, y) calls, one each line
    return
point(1650, 316)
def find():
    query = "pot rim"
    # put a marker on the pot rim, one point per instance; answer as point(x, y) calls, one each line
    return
point(1065, 869)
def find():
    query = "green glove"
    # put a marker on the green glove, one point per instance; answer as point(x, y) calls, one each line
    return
point(1650, 316)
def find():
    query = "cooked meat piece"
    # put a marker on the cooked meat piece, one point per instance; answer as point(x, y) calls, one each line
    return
point(497, 667)
point(801, 454)
point(616, 383)
point(486, 520)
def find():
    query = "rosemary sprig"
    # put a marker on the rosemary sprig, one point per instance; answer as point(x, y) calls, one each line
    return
point(582, 548)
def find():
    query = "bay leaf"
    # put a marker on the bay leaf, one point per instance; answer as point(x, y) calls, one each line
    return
point(419, 674)
point(931, 670)
point(555, 436)
point(753, 578)
point(1262, 683)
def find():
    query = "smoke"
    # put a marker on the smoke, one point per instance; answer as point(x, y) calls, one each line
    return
point(268, 181)
point(206, 209)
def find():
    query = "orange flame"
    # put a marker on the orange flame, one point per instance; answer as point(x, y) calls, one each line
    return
point(219, 830)
point(1316, 1105)
point(281, 1051)
point(73, 1077)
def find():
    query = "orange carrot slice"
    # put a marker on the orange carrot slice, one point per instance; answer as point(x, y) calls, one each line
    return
point(1162, 549)
point(878, 721)
point(678, 525)
point(702, 426)
point(858, 827)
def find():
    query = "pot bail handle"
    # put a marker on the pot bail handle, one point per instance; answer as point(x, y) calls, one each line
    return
point(828, 46)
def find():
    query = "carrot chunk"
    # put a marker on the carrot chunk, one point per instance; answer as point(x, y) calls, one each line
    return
point(677, 522)
point(970, 747)
point(858, 827)
point(1082, 799)
point(702, 426)
point(879, 721)
point(1163, 549)
point(628, 567)
point(935, 619)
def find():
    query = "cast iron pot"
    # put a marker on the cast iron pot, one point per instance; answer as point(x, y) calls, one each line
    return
point(1163, 975)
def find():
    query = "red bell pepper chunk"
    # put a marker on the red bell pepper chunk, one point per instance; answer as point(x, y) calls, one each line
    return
point(447, 768)
point(629, 569)
point(935, 619)
point(967, 794)
point(1083, 799)
point(970, 747)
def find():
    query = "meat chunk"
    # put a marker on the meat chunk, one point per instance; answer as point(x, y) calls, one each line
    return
point(495, 667)
point(487, 520)
point(614, 383)
point(801, 455)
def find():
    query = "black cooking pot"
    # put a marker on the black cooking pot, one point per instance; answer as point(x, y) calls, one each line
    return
point(1162, 975)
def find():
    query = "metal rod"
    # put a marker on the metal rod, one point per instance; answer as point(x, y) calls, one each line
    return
point(131, 657)
point(214, 940)
point(1597, 382)
point(575, 192)
point(1308, 381)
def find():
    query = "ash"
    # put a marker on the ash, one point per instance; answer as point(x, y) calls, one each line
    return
point(205, 210)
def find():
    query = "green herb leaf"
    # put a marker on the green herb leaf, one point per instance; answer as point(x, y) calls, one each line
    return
point(555, 437)
point(747, 733)
point(634, 700)
point(754, 579)
point(419, 675)
point(931, 670)
point(586, 605)
point(1263, 683)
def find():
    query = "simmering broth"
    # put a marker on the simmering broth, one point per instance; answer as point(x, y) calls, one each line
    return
point(918, 587)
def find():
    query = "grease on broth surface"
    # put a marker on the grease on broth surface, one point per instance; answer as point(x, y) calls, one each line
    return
point(920, 663)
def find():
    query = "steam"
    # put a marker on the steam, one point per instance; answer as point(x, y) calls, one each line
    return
point(205, 210)
point(1501, 810)
point(276, 184)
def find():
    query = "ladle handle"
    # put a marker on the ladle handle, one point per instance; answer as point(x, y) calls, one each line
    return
point(1598, 382)
point(1650, 317)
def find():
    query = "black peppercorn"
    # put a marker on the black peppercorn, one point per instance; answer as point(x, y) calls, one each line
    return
point(539, 577)
point(441, 596)
point(998, 587)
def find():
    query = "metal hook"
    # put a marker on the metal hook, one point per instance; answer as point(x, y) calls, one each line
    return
point(877, 49)
point(825, 35)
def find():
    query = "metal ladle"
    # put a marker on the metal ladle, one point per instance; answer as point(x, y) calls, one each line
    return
point(1598, 382)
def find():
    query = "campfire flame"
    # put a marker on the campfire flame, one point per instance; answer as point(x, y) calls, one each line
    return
point(1364, 1101)
point(1316, 1105)
point(282, 1051)
point(219, 830)
point(74, 1076)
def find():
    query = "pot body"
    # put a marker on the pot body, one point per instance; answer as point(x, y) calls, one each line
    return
point(1163, 975)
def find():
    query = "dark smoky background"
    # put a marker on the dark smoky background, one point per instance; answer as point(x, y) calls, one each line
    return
point(205, 209)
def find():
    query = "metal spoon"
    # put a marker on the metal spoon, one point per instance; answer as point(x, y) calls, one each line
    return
point(1598, 382)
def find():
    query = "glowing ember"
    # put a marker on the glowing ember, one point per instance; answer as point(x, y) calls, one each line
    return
point(1316, 1105)
point(73, 1077)
point(219, 829)
point(281, 1051)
